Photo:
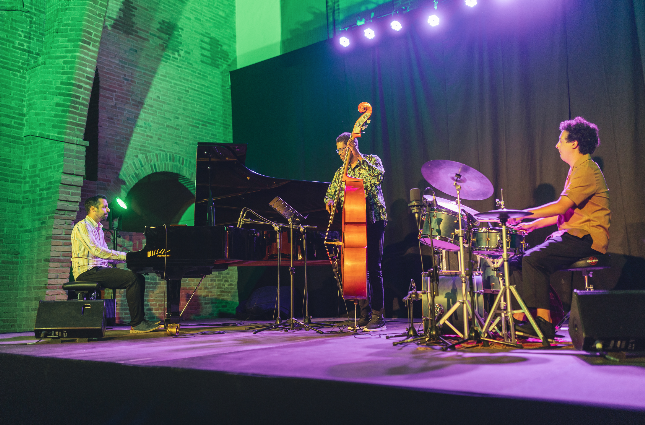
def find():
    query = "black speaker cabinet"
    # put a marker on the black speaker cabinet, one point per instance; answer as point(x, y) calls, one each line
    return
point(71, 319)
point(608, 320)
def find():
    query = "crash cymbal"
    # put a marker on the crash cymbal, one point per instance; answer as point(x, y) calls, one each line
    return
point(443, 174)
point(450, 205)
point(502, 215)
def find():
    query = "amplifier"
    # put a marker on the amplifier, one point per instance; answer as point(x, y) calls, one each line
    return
point(608, 320)
point(70, 319)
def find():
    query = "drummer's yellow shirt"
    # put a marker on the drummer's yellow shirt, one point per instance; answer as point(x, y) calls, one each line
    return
point(587, 188)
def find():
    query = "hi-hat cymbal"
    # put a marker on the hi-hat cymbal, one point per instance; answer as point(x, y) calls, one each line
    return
point(502, 215)
point(450, 205)
point(443, 174)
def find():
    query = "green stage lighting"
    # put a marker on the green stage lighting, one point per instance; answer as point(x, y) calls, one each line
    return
point(121, 203)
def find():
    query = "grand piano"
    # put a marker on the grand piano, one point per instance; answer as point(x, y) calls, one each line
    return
point(224, 187)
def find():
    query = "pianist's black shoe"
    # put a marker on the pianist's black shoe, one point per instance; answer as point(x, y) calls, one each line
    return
point(144, 327)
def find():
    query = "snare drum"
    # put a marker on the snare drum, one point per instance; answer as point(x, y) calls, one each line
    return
point(487, 241)
point(445, 227)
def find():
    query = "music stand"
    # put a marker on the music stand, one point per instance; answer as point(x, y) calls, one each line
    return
point(293, 217)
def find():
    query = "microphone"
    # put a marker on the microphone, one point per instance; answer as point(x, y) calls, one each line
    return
point(415, 203)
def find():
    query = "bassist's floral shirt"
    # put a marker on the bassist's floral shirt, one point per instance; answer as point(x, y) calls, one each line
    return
point(370, 169)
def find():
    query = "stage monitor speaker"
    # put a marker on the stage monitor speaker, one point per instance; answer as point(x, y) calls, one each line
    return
point(608, 320)
point(70, 319)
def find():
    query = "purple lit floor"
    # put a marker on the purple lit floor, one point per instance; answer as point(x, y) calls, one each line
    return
point(558, 374)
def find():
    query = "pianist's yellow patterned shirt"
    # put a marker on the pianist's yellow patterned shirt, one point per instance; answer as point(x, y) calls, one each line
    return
point(371, 170)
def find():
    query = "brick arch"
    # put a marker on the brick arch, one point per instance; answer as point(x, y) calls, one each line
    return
point(143, 165)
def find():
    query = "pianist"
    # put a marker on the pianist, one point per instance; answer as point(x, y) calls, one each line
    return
point(91, 258)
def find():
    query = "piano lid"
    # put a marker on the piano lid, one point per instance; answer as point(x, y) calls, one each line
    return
point(220, 167)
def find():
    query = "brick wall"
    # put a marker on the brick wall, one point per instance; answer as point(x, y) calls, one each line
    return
point(48, 50)
point(15, 35)
point(163, 69)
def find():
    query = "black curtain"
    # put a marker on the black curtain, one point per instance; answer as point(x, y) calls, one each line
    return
point(487, 88)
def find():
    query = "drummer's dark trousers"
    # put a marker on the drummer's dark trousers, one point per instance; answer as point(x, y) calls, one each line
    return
point(375, 235)
point(113, 278)
point(532, 272)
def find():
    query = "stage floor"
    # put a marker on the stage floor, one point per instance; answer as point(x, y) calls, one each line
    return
point(557, 374)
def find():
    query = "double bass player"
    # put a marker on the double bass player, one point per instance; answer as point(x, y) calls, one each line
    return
point(369, 168)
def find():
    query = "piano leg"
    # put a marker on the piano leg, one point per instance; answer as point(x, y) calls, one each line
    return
point(173, 290)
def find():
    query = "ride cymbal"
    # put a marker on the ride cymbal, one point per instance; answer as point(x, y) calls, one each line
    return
point(443, 174)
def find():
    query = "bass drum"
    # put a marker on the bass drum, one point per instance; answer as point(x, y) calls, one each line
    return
point(449, 292)
point(444, 225)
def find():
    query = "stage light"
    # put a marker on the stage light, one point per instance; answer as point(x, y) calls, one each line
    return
point(396, 25)
point(121, 203)
point(369, 33)
point(344, 41)
point(433, 20)
point(471, 3)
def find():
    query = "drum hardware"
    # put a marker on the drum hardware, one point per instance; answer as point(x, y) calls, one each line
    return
point(431, 335)
point(503, 298)
point(460, 180)
point(464, 277)
point(411, 333)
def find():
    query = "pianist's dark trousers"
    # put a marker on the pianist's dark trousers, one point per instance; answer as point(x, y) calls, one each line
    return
point(113, 278)
point(375, 234)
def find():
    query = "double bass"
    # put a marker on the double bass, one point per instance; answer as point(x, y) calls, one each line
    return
point(353, 243)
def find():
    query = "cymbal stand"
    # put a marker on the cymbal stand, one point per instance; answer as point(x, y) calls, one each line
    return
point(503, 299)
point(473, 334)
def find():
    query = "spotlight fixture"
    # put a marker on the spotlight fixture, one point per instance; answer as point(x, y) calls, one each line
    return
point(369, 33)
point(433, 20)
point(396, 25)
point(121, 203)
point(344, 41)
point(471, 3)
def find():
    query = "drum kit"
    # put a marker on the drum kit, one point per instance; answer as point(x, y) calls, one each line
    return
point(448, 226)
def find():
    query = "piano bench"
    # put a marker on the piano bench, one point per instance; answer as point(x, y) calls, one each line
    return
point(83, 289)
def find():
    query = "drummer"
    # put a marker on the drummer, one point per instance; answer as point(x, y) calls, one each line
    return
point(582, 215)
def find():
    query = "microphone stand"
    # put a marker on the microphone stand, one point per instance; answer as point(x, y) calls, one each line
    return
point(291, 323)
